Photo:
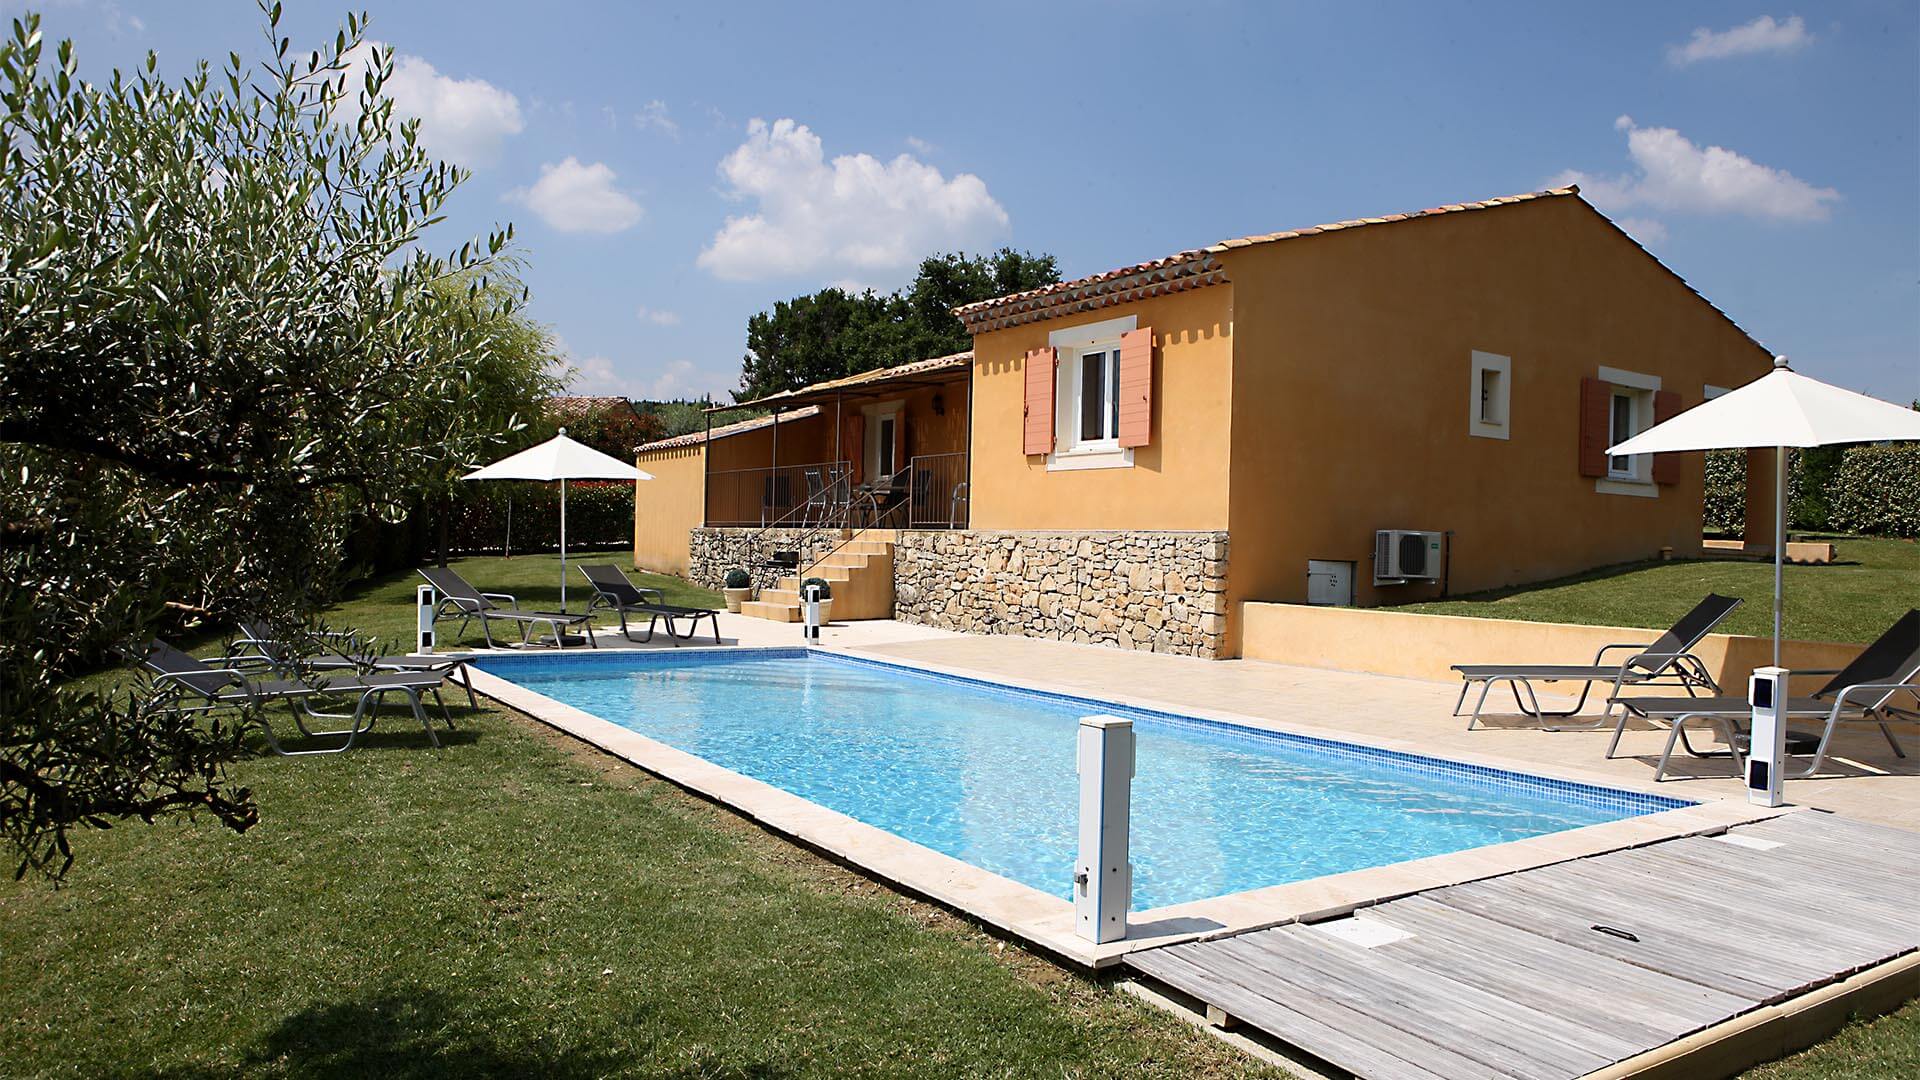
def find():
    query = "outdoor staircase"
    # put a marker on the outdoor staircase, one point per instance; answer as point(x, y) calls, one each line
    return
point(860, 572)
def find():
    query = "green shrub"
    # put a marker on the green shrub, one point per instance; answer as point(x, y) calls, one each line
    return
point(599, 514)
point(739, 579)
point(826, 590)
point(1726, 505)
point(1877, 491)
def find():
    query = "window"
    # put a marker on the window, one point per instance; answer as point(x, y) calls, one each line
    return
point(1629, 412)
point(1620, 428)
point(1491, 392)
point(1099, 391)
point(1087, 410)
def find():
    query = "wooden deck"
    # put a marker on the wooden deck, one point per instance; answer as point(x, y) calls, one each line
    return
point(1565, 969)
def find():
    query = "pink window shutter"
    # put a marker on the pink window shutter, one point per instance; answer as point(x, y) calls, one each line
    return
point(1595, 399)
point(1037, 426)
point(1136, 387)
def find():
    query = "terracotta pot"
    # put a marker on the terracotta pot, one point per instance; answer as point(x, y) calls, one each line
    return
point(736, 597)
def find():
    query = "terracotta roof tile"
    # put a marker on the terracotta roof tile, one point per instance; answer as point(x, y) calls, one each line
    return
point(913, 367)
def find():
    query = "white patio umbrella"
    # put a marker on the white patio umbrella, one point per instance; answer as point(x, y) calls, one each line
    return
point(1781, 409)
point(562, 459)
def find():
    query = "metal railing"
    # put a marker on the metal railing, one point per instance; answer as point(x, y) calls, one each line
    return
point(937, 497)
point(769, 494)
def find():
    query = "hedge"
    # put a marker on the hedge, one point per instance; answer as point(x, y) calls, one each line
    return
point(1871, 490)
point(599, 514)
point(1877, 491)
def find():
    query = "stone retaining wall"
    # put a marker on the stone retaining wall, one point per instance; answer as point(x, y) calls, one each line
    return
point(1155, 591)
point(712, 552)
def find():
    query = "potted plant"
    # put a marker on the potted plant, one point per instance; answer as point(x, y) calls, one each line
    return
point(826, 597)
point(739, 588)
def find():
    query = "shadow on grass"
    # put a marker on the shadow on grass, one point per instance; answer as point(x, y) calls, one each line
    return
point(404, 1033)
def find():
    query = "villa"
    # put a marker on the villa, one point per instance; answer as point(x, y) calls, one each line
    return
point(1364, 413)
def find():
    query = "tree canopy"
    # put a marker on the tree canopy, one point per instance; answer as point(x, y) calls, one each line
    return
point(832, 333)
point(225, 341)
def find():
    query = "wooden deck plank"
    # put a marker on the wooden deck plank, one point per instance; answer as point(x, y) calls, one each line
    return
point(1327, 1029)
point(1570, 978)
point(1660, 949)
point(1506, 977)
point(1809, 888)
point(1508, 1034)
point(1773, 924)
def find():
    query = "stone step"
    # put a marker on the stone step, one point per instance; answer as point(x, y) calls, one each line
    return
point(777, 612)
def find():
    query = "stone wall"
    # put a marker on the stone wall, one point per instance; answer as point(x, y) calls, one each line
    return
point(712, 552)
point(1155, 591)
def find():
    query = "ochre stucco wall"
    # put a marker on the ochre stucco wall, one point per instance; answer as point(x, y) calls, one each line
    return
point(1351, 390)
point(666, 507)
point(1177, 482)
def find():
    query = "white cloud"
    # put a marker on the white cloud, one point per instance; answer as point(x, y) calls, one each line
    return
point(654, 116)
point(854, 216)
point(1645, 230)
point(1675, 174)
point(461, 120)
point(577, 198)
point(657, 317)
point(1761, 35)
point(920, 145)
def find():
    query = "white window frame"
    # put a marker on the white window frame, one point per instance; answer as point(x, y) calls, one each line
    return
point(1477, 424)
point(1637, 478)
point(1071, 343)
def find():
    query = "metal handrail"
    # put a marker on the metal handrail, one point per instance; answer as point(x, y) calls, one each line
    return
point(836, 518)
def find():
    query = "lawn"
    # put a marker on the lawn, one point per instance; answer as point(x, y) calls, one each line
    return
point(517, 904)
point(1871, 583)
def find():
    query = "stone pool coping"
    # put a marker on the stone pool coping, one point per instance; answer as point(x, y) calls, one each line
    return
point(1046, 921)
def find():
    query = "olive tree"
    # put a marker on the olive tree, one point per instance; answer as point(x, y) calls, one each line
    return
point(223, 341)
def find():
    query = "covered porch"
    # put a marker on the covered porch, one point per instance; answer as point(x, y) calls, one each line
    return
point(882, 449)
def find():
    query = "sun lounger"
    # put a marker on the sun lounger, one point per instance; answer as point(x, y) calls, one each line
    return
point(260, 640)
point(458, 598)
point(1863, 692)
point(1668, 660)
point(611, 589)
point(179, 678)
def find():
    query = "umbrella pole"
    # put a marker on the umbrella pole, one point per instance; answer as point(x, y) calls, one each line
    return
point(1779, 538)
point(563, 559)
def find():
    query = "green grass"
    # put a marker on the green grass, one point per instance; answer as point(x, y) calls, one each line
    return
point(1871, 583)
point(1887, 1046)
point(517, 904)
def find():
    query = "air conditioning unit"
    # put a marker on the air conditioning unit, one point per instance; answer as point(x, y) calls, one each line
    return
point(1403, 555)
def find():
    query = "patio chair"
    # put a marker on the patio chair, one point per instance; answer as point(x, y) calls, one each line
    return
point(458, 598)
point(179, 677)
point(1863, 692)
point(358, 654)
point(611, 589)
point(1669, 660)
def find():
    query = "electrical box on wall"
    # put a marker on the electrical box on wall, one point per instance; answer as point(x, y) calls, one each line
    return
point(1403, 555)
point(1329, 583)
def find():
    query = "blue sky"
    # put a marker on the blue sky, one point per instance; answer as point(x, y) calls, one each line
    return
point(673, 170)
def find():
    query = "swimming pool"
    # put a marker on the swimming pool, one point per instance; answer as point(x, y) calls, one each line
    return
point(985, 773)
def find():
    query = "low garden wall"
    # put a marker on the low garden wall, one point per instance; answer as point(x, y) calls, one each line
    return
point(712, 552)
point(1420, 646)
point(1154, 591)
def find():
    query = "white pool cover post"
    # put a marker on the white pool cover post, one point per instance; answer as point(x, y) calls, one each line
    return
point(810, 613)
point(424, 602)
point(1103, 875)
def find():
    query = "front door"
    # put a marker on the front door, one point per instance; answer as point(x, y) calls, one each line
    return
point(883, 441)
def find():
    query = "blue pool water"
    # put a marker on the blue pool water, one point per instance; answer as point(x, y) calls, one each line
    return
point(986, 773)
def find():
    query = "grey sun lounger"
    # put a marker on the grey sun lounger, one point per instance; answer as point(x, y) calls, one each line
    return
point(179, 677)
point(1863, 692)
point(458, 599)
point(611, 589)
point(258, 640)
point(1668, 660)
